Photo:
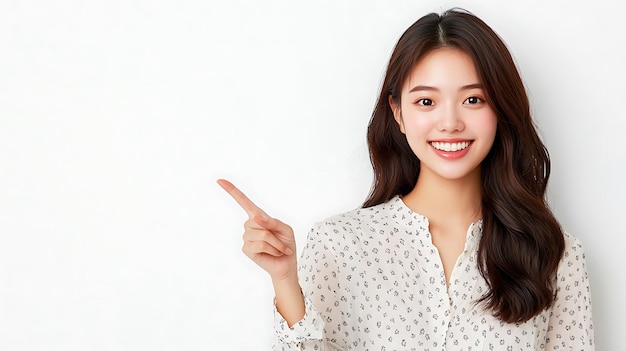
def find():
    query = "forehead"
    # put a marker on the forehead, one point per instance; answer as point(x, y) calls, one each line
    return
point(443, 68)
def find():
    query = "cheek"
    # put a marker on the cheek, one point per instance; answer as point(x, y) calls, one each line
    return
point(416, 131)
point(417, 125)
point(487, 124)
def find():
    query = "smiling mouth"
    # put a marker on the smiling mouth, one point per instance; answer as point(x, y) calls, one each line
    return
point(450, 146)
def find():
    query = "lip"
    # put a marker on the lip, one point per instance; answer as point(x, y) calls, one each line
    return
point(451, 155)
point(450, 140)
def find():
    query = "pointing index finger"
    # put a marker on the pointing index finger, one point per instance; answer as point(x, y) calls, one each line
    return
point(243, 201)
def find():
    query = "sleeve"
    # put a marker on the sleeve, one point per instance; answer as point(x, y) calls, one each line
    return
point(570, 326)
point(319, 278)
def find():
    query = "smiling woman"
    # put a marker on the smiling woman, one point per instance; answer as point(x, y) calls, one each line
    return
point(455, 248)
point(444, 115)
point(450, 128)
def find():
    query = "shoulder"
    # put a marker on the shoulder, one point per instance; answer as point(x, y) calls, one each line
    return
point(360, 221)
point(382, 214)
point(573, 247)
point(573, 262)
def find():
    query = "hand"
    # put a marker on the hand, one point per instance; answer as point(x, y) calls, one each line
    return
point(267, 241)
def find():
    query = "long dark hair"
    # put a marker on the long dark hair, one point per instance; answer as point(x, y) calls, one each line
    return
point(522, 242)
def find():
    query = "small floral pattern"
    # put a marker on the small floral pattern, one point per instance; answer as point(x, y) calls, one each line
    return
point(373, 280)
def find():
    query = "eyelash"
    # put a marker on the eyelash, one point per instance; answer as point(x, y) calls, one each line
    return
point(429, 102)
point(478, 100)
point(422, 102)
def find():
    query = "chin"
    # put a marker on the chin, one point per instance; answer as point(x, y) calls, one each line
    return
point(457, 174)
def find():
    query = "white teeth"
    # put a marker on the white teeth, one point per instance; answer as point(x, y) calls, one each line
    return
point(450, 146)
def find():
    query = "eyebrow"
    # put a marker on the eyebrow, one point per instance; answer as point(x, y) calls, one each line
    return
point(426, 87)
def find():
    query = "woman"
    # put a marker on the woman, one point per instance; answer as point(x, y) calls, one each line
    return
point(455, 247)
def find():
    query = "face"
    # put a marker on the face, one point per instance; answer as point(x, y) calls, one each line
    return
point(444, 115)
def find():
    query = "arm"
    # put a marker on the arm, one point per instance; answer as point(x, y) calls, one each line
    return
point(570, 326)
point(270, 244)
point(320, 278)
point(288, 299)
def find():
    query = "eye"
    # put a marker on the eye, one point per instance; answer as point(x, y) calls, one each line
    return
point(425, 102)
point(472, 100)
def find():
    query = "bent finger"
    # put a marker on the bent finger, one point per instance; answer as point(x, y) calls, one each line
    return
point(253, 248)
point(267, 237)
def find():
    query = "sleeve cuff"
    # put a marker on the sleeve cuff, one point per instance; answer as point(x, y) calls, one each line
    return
point(310, 327)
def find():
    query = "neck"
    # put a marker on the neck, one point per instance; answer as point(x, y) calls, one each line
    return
point(444, 199)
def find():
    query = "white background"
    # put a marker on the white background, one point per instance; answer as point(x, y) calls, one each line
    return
point(117, 117)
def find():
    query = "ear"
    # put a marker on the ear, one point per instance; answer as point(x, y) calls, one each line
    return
point(397, 113)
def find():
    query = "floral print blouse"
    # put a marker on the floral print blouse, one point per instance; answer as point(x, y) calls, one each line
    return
point(373, 280)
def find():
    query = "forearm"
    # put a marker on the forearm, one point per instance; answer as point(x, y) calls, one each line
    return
point(289, 299)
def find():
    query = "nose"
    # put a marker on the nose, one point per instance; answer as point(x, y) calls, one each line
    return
point(450, 120)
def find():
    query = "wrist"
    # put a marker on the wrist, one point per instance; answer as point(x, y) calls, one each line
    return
point(286, 283)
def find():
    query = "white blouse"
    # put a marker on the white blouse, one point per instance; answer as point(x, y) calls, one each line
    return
point(373, 280)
